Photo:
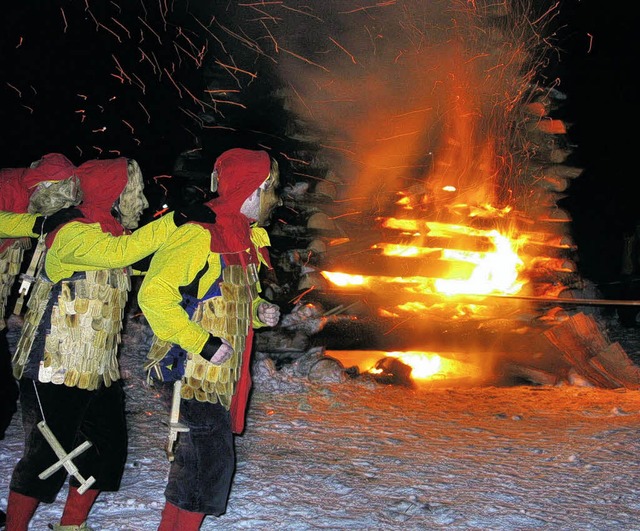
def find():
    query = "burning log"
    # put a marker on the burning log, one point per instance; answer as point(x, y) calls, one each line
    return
point(375, 263)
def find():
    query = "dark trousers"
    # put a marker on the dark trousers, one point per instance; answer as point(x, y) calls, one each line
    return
point(8, 386)
point(74, 416)
point(201, 474)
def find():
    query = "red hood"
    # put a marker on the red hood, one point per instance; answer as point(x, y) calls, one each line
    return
point(52, 167)
point(240, 173)
point(102, 182)
point(13, 196)
point(17, 184)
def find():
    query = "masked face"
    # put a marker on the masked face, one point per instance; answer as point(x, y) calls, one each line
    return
point(132, 201)
point(51, 196)
point(260, 204)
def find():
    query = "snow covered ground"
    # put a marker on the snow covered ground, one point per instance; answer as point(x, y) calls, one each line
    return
point(361, 455)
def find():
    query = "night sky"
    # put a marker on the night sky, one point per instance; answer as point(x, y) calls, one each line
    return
point(62, 88)
point(597, 69)
point(98, 79)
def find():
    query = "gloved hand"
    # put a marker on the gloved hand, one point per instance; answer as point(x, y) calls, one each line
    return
point(45, 224)
point(216, 350)
point(269, 313)
point(195, 212)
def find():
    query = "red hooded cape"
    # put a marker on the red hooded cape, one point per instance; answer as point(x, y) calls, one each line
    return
point(240, 173)
point(102, 182)
point(17, 184)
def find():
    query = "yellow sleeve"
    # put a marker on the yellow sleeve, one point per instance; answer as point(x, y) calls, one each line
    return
point(173, 266)
point(14, 225)
point(85, 247)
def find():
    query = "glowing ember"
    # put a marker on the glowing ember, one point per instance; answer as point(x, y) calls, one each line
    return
point(394, 249)
point(343, 279)
point(430, 366)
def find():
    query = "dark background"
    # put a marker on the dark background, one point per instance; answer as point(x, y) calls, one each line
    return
point(58, 93)
point(597, 70)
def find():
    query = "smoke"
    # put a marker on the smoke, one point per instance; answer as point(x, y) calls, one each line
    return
point(407, 95)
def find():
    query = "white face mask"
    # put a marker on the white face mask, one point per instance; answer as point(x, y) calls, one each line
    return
point(49, 197)
point(132, 201)
point(251, 206)
point(260, 204)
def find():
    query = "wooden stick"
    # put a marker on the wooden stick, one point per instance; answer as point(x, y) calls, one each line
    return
point(175, 426)
point(65, 458)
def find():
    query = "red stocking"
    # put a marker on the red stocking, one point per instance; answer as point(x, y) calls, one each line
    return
point(77, 506)
point(20, 509)
point(188, 521)
point(169, 517)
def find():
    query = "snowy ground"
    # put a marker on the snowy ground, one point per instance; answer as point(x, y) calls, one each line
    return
point(360, 455)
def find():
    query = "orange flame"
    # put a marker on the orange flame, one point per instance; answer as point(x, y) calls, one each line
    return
point(430, 366)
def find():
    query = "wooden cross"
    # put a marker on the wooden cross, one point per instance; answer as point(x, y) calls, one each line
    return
point(65, 458)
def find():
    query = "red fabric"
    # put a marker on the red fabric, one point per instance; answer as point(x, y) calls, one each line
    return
point(78, 506)
point(52, 167)
point(20, 510)
point(169, 517)
point(240, 173)
point(17, 184)
point(188, 521)
point(102, 182)
point(13, 196)
point(240, 397)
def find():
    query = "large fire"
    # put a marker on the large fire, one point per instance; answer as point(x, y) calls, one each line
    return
point(480, 262)
point(448, 165)
point(494, 270)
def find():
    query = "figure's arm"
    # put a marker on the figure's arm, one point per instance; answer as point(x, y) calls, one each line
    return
point(14, 225)
point(85, 247)
point(173, 266)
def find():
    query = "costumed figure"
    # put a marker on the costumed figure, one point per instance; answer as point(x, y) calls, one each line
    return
point(66, 359)
point(33, 201)
point(201, 298)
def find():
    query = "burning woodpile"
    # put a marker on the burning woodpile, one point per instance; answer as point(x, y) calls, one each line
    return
point(486, 298)
point(463, 259)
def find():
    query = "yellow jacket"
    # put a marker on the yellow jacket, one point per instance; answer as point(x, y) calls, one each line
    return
point(14, 225)
point(85, 247)
point(176, 265)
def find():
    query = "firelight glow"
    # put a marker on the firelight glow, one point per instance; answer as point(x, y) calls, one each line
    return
point(344, 279)
point(493, 272)
point(427, 366)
